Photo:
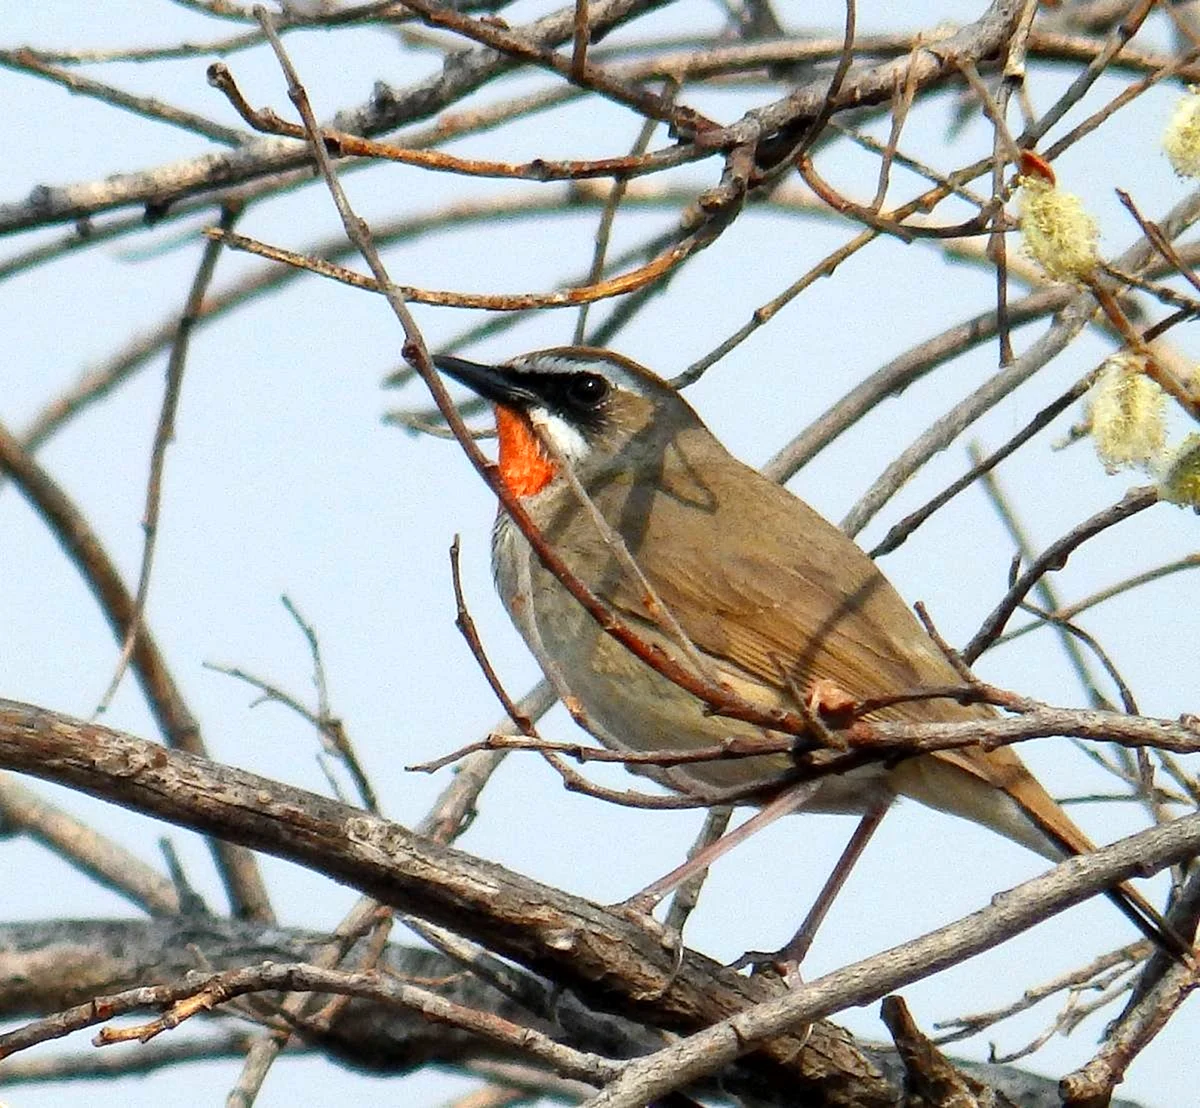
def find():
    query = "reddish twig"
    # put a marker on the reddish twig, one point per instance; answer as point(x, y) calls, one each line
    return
point(579, 46)
point(631, 281)
point(466, 627)
point(344, 144)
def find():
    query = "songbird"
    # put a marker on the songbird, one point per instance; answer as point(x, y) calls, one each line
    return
point(770, 597)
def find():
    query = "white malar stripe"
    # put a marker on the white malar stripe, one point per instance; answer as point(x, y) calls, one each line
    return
point(564, 438)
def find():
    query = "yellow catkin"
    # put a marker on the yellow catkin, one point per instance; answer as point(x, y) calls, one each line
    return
point(1181, 140)
point(1128, 426)
point(1058, 233)
point(1180, 481)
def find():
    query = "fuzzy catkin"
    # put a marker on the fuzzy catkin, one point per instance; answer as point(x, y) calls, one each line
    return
point(1181, 140)
point(1058, 232)
point(1180, 482)
point(1128, 426)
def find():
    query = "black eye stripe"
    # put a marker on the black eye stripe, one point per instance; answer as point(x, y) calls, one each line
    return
point(586, 389)
point(577, 396)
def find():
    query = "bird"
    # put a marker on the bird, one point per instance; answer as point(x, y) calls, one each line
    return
point(764, 595)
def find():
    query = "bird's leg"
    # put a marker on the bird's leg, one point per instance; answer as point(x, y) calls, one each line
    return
point(716, 823)
point(798, 945)
point(786, 802)
point(788, 958)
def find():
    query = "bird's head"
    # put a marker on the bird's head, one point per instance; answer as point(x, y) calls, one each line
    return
point(591, 407)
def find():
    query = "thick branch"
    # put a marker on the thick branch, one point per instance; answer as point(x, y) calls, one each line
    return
point(613, 962)
point(608, 959)
point(45, 966)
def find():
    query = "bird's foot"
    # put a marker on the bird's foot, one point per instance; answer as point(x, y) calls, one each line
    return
point(783, 963)
point(640, 905)
point(637, 909)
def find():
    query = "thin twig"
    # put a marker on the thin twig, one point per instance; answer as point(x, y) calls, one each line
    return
point(344, 144)
point(466, 627)
point(638, 278)
point(616, 193)
point(1052, 558)
point(164, 433)
point(330, 729)
point(1044, 589)
point(963, 1027)
point(104, 861)
point(29, 61)
point(901, 531)
point(1070, 611)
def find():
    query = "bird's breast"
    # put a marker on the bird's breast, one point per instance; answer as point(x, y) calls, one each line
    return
point(626, 704)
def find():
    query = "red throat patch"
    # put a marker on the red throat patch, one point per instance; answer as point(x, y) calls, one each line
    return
point(524, 467)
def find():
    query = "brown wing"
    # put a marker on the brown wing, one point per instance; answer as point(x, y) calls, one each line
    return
point(803, 599)
point(803, 596)
point(800, 595)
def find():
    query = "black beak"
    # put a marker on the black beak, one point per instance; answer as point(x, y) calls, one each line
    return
point(495, 383)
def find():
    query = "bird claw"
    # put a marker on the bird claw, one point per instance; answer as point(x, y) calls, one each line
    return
point(638, 909)
point(783, 963)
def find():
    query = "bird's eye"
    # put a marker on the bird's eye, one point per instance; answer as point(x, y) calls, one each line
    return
point(587, 390)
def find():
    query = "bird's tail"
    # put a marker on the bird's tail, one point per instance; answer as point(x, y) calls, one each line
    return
point(995, 789)
point(1135, 907)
